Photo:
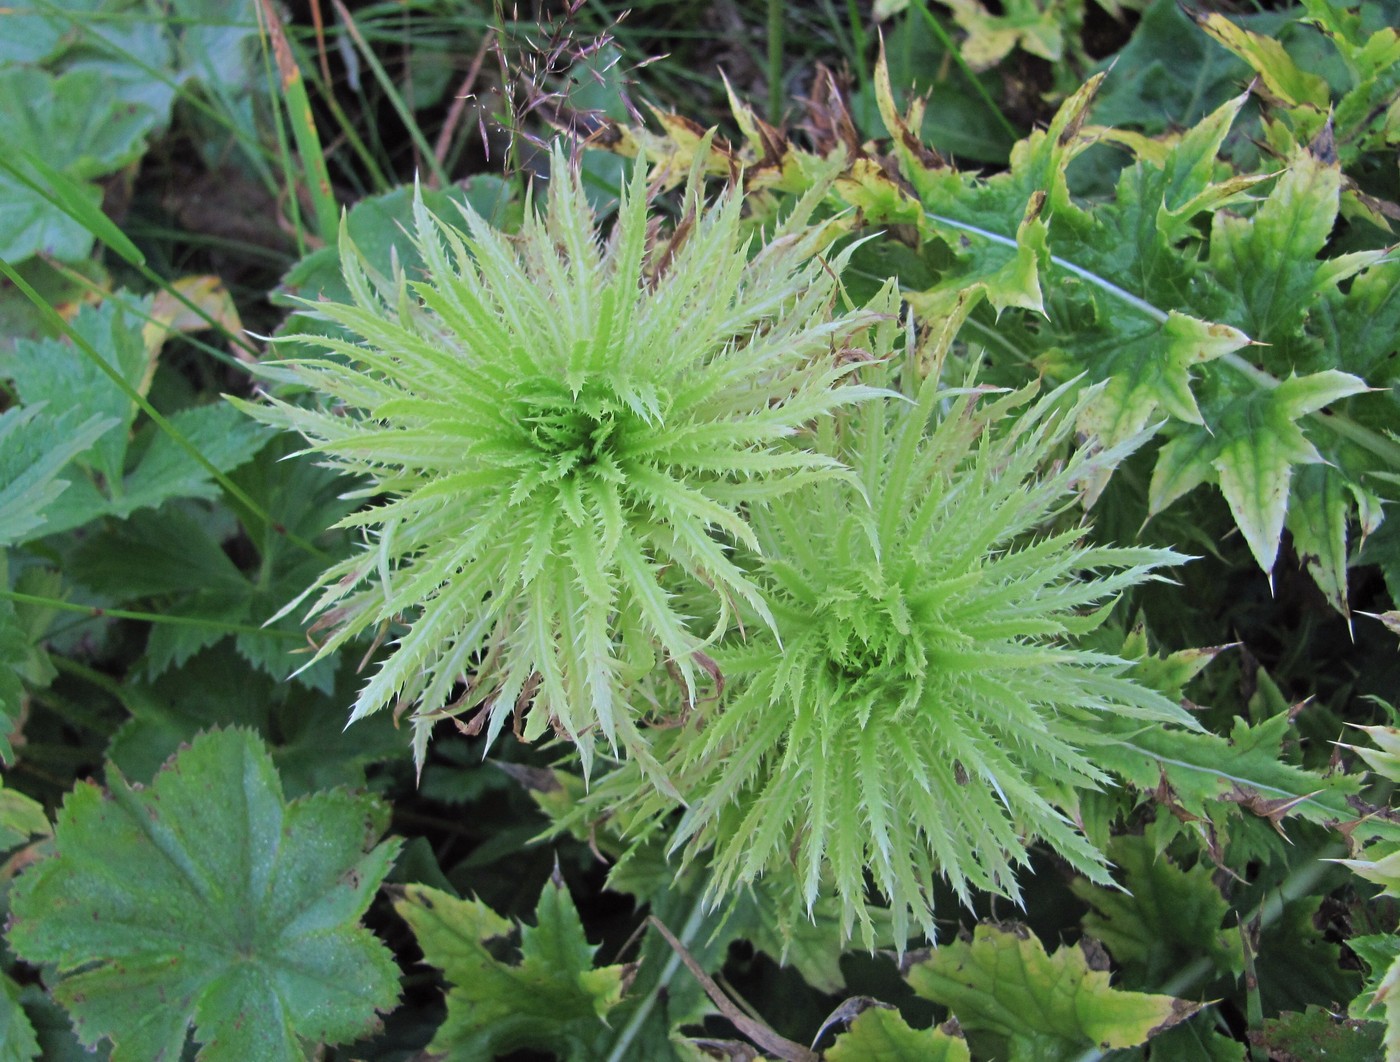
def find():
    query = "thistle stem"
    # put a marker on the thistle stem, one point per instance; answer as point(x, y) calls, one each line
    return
point(639, 1016)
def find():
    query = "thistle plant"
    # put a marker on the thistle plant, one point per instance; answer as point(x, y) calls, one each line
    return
point(558, 431)
point(919, 706)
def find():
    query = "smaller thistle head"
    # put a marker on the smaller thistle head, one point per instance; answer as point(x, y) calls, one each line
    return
point(560, 432)
point(919, 707)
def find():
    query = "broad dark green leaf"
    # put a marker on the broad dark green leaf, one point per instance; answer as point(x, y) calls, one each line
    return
point(79, 127)
point(1169, 75)
point(311, 746)
point(121, 474)
point(1162, 919)
point(208, 903)
point(35, 445)
point(1298, 964)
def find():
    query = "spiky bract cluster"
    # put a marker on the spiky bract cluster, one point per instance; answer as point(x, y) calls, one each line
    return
point(927, 705)
point(560, 430)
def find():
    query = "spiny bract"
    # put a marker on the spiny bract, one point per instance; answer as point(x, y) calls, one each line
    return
point(919, 707)
point(558, 431)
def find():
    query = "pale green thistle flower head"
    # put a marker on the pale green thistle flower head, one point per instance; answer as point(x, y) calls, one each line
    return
point(560, 430)
point(928, 712)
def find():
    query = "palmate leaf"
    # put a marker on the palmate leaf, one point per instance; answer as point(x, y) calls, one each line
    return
point(1149, 312)
point(1251, 449)
point(172, 560)
point(1356, 104)
point(1187, 295)
point(81, 128)
point(553, 999)
point(305, 729)
point(1049, 1008)
point(208, 903)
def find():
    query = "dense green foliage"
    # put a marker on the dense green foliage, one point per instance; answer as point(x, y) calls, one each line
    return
point(753, 537)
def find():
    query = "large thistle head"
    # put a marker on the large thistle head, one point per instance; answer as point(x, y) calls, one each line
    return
point(559, 431)
point(920, 706)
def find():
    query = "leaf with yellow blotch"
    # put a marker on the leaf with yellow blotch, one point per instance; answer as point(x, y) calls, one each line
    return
point(1049, 1007)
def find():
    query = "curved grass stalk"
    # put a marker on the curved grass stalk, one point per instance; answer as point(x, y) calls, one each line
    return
point(99, 612)
point(629, 1031)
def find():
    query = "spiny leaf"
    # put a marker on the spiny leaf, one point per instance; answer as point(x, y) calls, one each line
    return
point(1251, 448)
point(208, 902)
point(922, 705)
point(561, 392)
point(553, 999)
point(1194, 773)
point(1270, 59)
point(1380, 999)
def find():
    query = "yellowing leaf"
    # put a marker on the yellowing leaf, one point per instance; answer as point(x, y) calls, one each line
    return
point(1036, 29)
point(1151, 373)
point(1317, 518)
point(1003, 982)
point(1271, 61)
point(170, 313)
point(881, 1035)
point(1251, 452)
point(1385, 758)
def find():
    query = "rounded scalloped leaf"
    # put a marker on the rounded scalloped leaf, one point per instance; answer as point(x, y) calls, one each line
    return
point(208, 901)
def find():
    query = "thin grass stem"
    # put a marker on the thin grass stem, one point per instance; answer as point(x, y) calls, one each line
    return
point(98, 612)
point(420, 142)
